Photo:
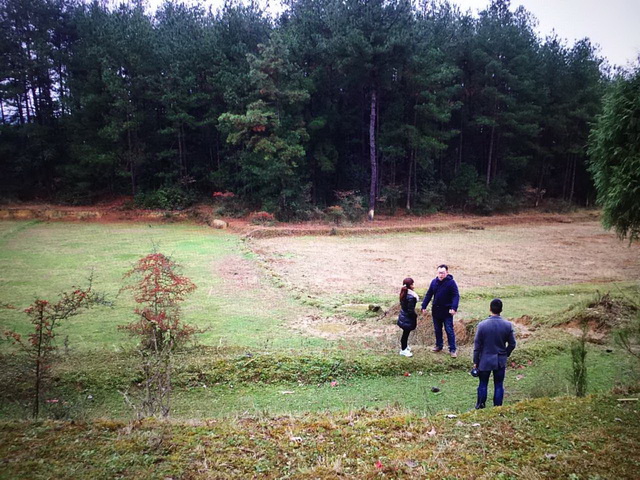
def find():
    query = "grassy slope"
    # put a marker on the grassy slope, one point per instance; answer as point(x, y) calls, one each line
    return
point(596, 437)
point(213, 385)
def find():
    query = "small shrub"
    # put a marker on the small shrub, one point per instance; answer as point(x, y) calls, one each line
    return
point(628, 337)
point(227, 204)
point(389, 197)
point(336, 214)
point(352, 204)
point(578, 362)
point(166, 198)
point(431, 198)
point(158, 289)
point(262, 218)
point(39, 346)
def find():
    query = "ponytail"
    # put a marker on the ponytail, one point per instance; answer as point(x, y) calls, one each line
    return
point(403, 293)
point(406, 283)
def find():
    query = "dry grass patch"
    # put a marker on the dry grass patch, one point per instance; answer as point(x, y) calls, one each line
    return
point(586, 438)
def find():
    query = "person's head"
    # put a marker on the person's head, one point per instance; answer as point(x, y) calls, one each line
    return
point(407, 284)
point(443, 271)
point(496, 306)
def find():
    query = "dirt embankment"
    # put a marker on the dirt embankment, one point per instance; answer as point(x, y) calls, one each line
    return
point(121, 210)
point(116, 211)
point(410, 224)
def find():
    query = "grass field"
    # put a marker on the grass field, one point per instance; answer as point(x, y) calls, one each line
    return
point(280, 343)
point(42, 259)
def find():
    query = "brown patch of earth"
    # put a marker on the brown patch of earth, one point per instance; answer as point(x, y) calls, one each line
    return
point(237, 273)
point(594, 333)
point(523, 326)
point(342, 327)
point(536, 253)
point(243, 279)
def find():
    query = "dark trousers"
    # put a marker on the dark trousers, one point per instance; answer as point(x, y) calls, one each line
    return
point(405, 338)
point(447, 322)
point(498, 387)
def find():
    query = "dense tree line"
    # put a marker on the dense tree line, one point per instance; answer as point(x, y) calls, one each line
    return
point(414, 106)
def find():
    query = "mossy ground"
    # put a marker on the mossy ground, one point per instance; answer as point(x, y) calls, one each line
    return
point(565, 437)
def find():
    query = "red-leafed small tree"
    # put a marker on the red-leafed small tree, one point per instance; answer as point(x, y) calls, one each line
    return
point(158, 289)
point(39, 346)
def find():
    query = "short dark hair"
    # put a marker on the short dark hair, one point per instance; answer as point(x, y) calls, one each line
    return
point(496, 306)
point(444, 266)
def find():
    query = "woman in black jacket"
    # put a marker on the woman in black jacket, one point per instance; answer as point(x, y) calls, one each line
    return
point(408, 318)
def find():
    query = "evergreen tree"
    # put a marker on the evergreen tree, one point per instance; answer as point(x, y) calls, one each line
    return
point(272, 131)
point(614, 148)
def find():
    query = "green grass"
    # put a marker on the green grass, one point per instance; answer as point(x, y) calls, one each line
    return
point(39, 260)
point(208, 385)
point(42, 259)
point(255, 399)
point(542, 303)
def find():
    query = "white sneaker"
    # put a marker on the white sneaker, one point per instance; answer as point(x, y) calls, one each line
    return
point(408, 348)
point(406, 353)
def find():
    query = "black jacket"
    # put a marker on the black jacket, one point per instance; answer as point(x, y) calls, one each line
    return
point(445, 296)
point(408, 318)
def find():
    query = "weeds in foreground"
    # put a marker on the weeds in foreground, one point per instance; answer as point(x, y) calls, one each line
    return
point(594, 437)
point(579, 361)
point(38, 348)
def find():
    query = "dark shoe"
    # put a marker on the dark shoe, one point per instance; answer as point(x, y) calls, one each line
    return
point(436, 349)
point(479, 406)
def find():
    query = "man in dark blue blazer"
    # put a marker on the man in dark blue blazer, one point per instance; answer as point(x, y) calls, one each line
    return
point(444, 291)
point(494, 342)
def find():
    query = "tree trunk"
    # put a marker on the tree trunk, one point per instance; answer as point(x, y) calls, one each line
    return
point(539, 186)
point(573, 177)
point(408, 205)
point(26, 102)
point(566, 177)
point(415, 176)
point(131, 163)
point(490, 160)
point(456, 166)
point(372, 154)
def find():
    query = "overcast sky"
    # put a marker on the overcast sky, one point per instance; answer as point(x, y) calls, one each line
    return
point(612, 24)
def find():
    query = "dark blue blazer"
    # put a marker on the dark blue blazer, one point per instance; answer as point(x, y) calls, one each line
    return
point(494, 342)
point(445, 296)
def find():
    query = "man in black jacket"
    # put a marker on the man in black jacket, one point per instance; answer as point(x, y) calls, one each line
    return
point(494, 342)
point(444, 291)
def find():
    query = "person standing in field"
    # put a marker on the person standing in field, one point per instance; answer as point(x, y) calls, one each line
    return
point(444, 291)
point(408, 318)
point(494, 342)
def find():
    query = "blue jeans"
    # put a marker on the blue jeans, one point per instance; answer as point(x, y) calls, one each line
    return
point(448, 327)
point(498, 387)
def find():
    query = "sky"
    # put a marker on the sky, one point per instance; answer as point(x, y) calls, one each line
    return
point(614, 25)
